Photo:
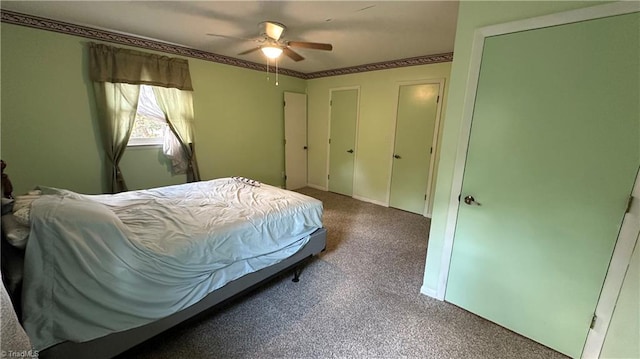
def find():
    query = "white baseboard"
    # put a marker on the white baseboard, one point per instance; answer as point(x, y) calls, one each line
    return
point(429, 292)
point(364, 199)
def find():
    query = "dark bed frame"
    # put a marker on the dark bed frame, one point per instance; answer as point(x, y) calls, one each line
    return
point(117, 343)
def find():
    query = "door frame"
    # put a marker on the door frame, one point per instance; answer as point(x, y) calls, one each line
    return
point(480, 34)
point(355, 140)
point(620, 261)
point(434, 140)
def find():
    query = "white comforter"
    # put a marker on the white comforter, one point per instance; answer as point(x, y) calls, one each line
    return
point(105, 263)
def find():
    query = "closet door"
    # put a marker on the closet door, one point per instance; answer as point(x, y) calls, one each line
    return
point(415, 124)
point(552, 157)
point(342, 140)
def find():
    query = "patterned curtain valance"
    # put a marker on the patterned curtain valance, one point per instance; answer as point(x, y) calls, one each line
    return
point(117, 65)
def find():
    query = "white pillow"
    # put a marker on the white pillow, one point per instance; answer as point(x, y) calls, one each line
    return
point(22, 206)
point(22, 216)
point(16, 233)
point(25, 199)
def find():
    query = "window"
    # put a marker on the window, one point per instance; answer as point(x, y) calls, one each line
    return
point(150, 126)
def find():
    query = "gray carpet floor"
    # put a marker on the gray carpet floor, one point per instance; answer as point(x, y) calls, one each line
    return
point(358, 299)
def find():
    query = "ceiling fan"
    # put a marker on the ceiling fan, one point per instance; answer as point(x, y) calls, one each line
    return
point(273, 45)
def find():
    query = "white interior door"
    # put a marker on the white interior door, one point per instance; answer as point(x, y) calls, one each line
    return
point(295, 137)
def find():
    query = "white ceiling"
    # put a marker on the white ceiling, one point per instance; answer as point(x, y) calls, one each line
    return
point(362, 32)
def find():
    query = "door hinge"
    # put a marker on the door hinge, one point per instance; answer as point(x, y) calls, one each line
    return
point(629, 204)
point(430, 149)
point(438, 99)
point(285, 141)
point(425, 197)
point(330, 102)
point(328, 176)
point(284, 103)
point(593, 321)
point(285, 177)
point(329, 141)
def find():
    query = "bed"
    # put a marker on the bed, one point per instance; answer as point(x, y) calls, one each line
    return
point(172, 253)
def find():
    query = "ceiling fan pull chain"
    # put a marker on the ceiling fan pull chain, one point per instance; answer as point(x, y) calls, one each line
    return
point(276, 60)
point(267, 69)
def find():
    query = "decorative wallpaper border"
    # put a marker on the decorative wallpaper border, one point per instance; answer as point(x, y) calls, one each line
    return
point(413, 61)
point(16, 18)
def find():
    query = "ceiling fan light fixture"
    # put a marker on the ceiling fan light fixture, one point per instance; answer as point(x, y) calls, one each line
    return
point(272, 52)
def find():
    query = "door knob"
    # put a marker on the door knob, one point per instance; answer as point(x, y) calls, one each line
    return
point(350, 151)
point(470, 200)
point(397, 156)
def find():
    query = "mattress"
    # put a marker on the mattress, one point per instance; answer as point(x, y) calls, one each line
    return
point(98, 264)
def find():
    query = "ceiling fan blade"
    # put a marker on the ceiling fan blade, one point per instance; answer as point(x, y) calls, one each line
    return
point(292, 54)
point(249, 51)
point(310, 45)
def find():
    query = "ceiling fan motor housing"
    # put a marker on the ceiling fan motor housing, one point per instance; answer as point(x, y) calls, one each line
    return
point(272, 29)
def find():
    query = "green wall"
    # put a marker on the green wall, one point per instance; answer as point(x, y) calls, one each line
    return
point(48, 128)
point(148, 167)
point(49, 131)
point(375, 132)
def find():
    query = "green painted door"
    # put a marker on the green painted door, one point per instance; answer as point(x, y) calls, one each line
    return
point(553, 152)
point(416, 120)
point(295, 140)
point(344, 112)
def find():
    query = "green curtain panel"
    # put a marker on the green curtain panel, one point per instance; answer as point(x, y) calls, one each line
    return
point(117, 104)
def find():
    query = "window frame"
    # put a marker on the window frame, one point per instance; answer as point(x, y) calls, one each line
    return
point(144, 141)
point(137, 141)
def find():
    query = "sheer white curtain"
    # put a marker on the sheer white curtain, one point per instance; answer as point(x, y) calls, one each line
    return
point(177, 106)
point(171, 146)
